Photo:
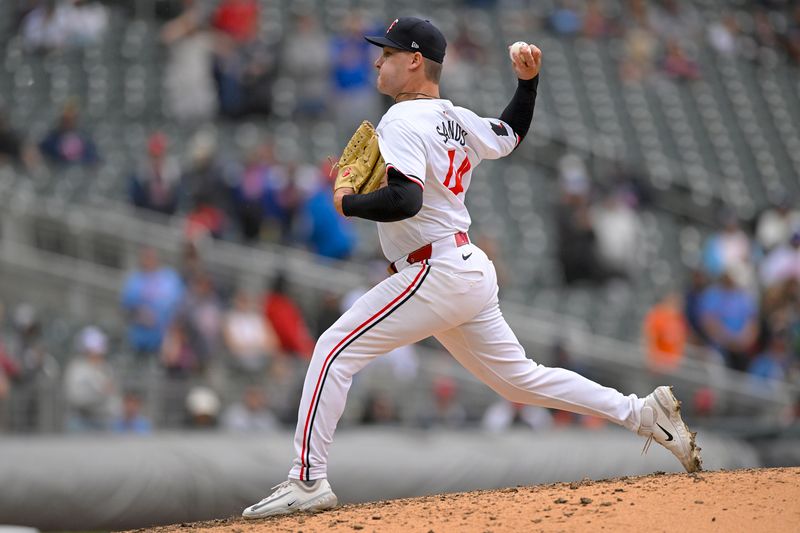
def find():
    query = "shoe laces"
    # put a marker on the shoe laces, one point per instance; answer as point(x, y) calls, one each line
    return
point(647, 444)
point(282, 486)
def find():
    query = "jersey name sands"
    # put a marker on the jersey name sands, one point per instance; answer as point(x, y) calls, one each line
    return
point(451, 129)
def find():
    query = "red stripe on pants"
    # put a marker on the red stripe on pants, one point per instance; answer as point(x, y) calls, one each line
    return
point(325, 364)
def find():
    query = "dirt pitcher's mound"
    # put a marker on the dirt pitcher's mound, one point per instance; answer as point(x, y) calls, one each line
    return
point(742, 500)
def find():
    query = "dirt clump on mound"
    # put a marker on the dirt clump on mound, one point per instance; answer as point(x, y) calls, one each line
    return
point(741, 500)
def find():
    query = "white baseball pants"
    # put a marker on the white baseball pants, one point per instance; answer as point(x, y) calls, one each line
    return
point(452, 296)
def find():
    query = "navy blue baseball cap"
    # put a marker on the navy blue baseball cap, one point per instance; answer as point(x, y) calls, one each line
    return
point(413, 35)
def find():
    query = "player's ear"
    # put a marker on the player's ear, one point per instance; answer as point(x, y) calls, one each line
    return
point(417, 61)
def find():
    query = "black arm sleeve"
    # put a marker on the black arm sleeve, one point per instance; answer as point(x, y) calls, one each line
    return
point(401, 199)
point(519, 112)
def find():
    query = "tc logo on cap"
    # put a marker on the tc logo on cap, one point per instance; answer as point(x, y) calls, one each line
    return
point(412, 34)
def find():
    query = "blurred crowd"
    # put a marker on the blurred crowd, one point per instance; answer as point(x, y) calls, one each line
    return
point(598, 226)
point(198, 355)
point(664, 36)
point(223, 63)
point(742, 303)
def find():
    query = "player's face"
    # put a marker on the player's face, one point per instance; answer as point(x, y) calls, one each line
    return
point(393, 70)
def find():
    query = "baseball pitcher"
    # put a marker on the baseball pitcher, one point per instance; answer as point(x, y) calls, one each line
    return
point(425, 150)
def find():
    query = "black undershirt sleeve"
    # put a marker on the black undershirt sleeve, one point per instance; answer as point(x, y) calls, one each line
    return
point(401, 199)
point(519, 112)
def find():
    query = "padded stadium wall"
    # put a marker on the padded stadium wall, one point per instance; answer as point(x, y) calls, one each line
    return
point(107, 482)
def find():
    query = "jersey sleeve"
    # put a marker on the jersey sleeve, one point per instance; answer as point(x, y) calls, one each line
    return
point(491, 138)
point(497, 138)
point(403, 149)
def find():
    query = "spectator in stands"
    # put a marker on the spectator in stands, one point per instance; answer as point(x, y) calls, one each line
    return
point(287, 194)
point(504, 414)
point(665, 333)
point(188, 79)
point(326, 233)
point(250, 193)
point(202, 311)
point(729, 317)
point(306, 61)
point(677, 64)
point(565, 20)
point(379, 410)
point(204, 176)
point(444, 410)
point(773, 364)
point(238, 19)
point(287, 320)
point(67, 144)
point(244, 66)
point(776, 224)
point(352, 72)
point(765, 34)
point(90, 388)
point(722, 34)
point(782, 263)
point(209, 193)
point(251, 413)
point(155, 185)
point(32, 369)
point(191, 264)
point(151, 296)
point(15, 150)
point(639, 48)
point(26, 346)
point(616, 224)
point(202, 408)
point(577, 250)
point(698, 283)
point(728, 248)
point(131, 419)
point(249, 338)
point(88, 21)
point(178, 356)
point(46, 27)
point(204, 219)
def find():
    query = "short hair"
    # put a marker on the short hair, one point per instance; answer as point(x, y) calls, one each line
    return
point(433, 70)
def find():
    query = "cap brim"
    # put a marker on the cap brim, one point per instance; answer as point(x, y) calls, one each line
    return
point(379, 40)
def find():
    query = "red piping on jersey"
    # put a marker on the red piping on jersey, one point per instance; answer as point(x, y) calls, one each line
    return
point(325, 364)
point(406, 176)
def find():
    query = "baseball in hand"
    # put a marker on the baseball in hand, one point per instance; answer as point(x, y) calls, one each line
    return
point(514, 52)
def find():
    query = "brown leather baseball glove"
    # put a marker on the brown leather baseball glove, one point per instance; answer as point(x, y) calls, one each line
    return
point(361, 165)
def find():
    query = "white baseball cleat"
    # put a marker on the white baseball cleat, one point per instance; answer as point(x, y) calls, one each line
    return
point(661, 420)
point(293, 496)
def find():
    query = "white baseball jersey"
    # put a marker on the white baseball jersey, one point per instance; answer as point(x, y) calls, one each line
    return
point(452, 295)
point(437, 145)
